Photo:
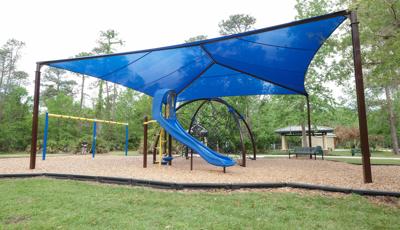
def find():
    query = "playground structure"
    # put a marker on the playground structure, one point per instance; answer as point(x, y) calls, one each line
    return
point(234, 114)
point(164, 142)
point(95, 121)
point(271, 60)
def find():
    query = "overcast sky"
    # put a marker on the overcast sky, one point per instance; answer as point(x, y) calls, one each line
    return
point(55, 29)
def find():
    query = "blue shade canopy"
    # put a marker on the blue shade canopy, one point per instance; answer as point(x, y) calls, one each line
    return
point(272, 60)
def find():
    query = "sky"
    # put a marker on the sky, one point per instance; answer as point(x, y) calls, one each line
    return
point(56, 29)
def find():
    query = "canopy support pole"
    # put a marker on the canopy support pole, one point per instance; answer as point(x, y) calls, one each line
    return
point(35, 117)
point(145, 127)
point(309, 123)
point(94, 139)
point(46, 129)
point(243, 164)
point(126, 139)
point(362, 115)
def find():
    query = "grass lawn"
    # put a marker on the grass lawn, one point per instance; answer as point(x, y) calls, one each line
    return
point(122, 153)
point(14, 154)
point(373, 153)
point(373, 161)
point(26, 154)
point(49, 204)
point(338, 153)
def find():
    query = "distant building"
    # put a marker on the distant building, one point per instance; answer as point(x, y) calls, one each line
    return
point(320, 136)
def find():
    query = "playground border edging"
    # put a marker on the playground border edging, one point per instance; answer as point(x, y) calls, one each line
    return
point(200, 186)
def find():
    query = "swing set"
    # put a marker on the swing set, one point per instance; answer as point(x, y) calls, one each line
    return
point(95, 121)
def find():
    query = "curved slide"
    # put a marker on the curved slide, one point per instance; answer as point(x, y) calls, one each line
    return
point(172, 126)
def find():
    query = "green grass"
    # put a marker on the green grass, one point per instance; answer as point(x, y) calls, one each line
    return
point(14, 154)
point(336, 153)
point(26, 154)
point(373, 161)
point(373, 153)
point(122, 153)
point(55, 204)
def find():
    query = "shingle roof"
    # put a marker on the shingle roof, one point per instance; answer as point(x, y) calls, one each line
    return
point(297, 129)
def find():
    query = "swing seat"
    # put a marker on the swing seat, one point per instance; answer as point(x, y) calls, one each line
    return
point(167, 158)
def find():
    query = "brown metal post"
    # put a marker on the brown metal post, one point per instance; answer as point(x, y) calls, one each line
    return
point(165, 147)
point(362, 115)
point(309, 123)
point(145, 127)
point(241, 140)
point(191, 160)
point(155, 147)
point(169, 148)
point(35, 117)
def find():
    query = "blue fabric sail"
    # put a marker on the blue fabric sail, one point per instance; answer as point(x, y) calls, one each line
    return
point(271, 60)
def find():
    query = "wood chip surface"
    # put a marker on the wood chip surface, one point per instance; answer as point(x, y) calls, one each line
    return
point(321, 172)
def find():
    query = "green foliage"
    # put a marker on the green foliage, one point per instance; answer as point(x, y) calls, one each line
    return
point(236, 23)
point(14, 100)
point(15, 120)
point(106, 42)
point(196, 38)
point(55, 82)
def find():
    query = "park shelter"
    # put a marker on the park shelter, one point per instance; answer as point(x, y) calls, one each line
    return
point(320, 136)
point(272, 60)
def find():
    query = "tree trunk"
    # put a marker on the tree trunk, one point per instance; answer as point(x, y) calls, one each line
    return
point(392, 121)
point(82, 93)
point(2, 75)
point(99, 105)
point(113, 101)
point(11, 68)
point(108, 104)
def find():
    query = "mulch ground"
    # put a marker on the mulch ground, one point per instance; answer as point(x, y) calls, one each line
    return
point(265, 170)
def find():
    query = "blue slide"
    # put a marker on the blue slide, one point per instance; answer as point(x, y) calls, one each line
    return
point(172, 126)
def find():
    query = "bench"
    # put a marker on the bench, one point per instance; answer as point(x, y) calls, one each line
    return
point(307, 151)
point(354, 151)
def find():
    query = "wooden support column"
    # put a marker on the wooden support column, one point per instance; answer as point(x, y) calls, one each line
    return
point(35, 117)
point(362, 114)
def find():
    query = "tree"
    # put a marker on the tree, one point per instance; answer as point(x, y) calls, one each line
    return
point(236, 23)
point(83, 77)
point(10, 78)
point(323, 68)
point(14, 101)
point(380, 32)
point(9, 56)
point(106, 45)
point(196, 38)
point(15, 121)
point(55, 83)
